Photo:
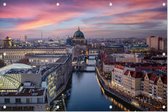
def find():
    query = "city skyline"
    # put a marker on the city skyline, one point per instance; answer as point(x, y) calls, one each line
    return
point(96, 18)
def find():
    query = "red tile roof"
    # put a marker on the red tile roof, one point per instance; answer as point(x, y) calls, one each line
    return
point(134, 74)
point(120, 67)
point(162, 68)
point(153, 77)
point(164, 79)
point(126, 72)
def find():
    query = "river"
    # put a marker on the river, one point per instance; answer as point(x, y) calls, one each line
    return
point(85, 93)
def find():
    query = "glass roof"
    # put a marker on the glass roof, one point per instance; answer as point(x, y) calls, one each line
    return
point(19, 66)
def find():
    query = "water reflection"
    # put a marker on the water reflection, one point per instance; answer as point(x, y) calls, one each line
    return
point(85, 94)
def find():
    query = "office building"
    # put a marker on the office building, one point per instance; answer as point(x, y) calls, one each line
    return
point(157, 43)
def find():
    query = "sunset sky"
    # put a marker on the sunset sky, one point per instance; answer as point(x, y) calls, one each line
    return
point(125, 18)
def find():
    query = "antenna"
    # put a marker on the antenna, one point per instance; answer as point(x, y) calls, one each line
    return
point(41, 35)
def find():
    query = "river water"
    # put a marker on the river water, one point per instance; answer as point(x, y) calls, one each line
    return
point(85, 94)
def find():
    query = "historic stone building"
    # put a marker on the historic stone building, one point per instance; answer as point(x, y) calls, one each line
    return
point(79, 38)
point(79, 43)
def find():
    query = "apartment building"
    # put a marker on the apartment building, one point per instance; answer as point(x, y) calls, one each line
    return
point(155, 86)
point(126, 79)
point(136, 82)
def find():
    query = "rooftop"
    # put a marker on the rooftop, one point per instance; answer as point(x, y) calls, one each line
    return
point(32, 47)
point(44, 55)
point(25, 92)
point(14, 67)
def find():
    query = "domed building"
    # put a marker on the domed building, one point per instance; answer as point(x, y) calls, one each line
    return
point(7, 42)
point(80, 44)
point(79, 38)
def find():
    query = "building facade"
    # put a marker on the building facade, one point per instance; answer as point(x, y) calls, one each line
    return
point(20, 89)
point(42, 59)
point(11, 55)
point(136, 82)
point(79, 38)
point(155, 86)
point(80, 44)
point(157, 43)
point(126, 79)
point(27, 99)
point(58, 76)
point(7, 42)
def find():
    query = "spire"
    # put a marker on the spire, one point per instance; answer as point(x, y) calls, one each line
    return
point(78, 28)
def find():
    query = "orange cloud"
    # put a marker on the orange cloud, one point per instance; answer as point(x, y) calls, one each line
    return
point(46, 19)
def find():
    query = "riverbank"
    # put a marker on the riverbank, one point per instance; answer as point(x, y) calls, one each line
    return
point(105, 85)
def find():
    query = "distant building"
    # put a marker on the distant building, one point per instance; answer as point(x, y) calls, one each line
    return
point(80, 43)
point(157, 43)
point(7, 42)
point(15, 54)
point(159, 59)
point(69, 41)
point(109, 59)
point(43, 59)
point(79, 38)
point(1, 43)
point(25, 38)
point(114, 49)
point(123, 57)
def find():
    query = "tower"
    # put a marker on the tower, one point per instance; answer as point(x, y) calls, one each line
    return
point(7, 42)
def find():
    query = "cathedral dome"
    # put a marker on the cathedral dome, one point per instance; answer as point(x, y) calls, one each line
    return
point(78, 34)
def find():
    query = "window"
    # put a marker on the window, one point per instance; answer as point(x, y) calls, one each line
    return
point(39, 100)
point(18, 100)
point(28, 100)
point(7, 100)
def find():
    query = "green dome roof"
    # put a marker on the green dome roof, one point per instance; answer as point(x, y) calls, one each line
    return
point(78, 34)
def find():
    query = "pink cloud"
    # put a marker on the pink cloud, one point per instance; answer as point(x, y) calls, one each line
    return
point(138, 18)
point(37, 15)
point(46, 19)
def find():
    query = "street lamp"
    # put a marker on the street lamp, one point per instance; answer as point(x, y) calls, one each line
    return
point(4, 54)
point(4, 107)
point(62, 95)
point(163, 54)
